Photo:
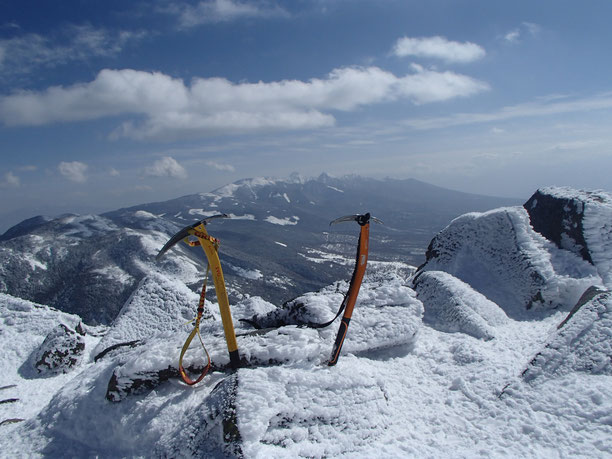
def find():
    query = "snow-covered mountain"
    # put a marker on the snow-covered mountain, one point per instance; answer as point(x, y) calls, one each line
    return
point(277, 245)
point(499, 345)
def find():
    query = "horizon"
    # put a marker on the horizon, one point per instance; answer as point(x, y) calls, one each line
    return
point(115, 105)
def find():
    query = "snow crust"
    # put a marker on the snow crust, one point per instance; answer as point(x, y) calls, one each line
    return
point(582, 344)
point(158, 305)
point(442, 395)
point(453, 306)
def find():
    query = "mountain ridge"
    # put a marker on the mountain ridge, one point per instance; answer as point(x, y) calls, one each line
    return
point(277, 245)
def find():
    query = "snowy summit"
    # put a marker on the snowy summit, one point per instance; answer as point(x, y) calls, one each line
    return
point(500, 344)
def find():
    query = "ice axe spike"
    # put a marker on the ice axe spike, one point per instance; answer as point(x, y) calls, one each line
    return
point(183, 233)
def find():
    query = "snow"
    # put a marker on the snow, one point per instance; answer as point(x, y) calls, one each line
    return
point(456, 367)
point(34, 263)
point(597, 227)
point(144, 215)
point(24, 327)
point(115, 273)
point(453, 306)
point(242, 217)
point(202, 213)
point(437, 395)
point(253, 274)
point(326, 257)
point(282, 221)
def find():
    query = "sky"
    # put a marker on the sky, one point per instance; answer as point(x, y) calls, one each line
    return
point(111, 104)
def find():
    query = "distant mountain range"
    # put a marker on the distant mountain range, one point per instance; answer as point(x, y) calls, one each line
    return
point(277, 244)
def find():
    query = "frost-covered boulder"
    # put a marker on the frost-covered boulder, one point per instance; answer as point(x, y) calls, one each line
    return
point(212, 430)
point(582, 343)
point(576, 220)
point(159, 304)
point(499, 255)
point(451, 305)
point(60, 352)
point(386, 313)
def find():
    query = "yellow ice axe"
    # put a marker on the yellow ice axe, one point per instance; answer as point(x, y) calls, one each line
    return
point(210, 246)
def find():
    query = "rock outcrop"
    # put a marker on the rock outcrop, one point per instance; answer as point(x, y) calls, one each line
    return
point(583, 342)
point(60, 352)
point(575, 220)
point(500, 256)
point(453, 306)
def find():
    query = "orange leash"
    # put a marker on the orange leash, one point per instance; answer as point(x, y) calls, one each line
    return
point(196, 331)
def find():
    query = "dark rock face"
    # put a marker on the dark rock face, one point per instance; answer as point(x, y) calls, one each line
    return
point(61, 350)
point(574, 220)
point(558, 218)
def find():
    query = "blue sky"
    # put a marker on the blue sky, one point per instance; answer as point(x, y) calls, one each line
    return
point(110, 104)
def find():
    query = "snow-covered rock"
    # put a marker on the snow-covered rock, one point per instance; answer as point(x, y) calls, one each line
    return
point(576, 220)
point(61, 351)
point(499, 255)
point(159, 304)
point(582, 343)
point(390, 395)
point(451, 305)
point(386, 314)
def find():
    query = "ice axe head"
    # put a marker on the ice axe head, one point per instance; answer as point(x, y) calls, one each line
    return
point(182, 234)
point(361, 219)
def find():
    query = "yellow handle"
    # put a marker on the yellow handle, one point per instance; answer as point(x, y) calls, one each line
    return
point(210, 249)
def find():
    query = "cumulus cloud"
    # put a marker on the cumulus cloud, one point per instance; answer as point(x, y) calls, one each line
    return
point(167, 108)
point(438, 48)
point(166, 167)
point(221, 166)
point(74, 171)
point(214, 11)
point(10, 180)
point(23, 53)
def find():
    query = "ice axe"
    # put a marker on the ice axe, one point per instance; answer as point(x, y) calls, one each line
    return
point(210, 245)
point(348, 304)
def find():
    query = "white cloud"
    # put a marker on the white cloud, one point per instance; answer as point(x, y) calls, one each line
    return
point(74, 171)
point(221, 166)
point(113, 172)
point(172, 109)
point(547, 106)
point(166, 167)
point(26, 52)
point(515, 35)
point(439, 48)
point(215, 11)
point(512, 36)
point(10, 180)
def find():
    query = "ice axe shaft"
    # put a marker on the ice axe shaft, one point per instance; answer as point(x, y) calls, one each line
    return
point(360, 266)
